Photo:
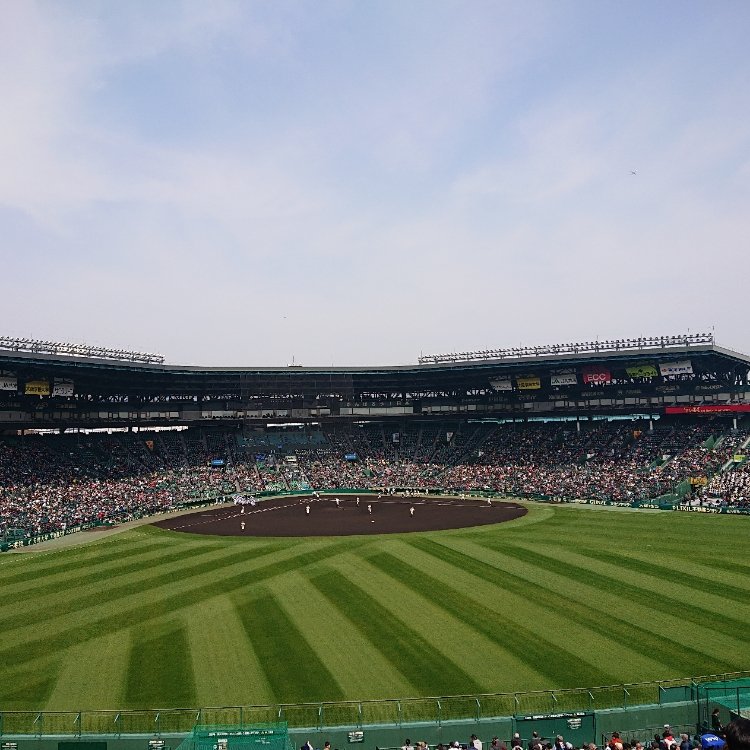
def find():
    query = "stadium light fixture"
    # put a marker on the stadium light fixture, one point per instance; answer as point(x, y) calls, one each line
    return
point(587, 347)
point(77, 350)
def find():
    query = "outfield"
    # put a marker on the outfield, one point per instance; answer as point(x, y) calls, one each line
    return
point(564, 597)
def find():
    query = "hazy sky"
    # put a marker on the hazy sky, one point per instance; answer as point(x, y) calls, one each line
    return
point(358, 182)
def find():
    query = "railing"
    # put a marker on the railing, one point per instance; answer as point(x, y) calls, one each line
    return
point(357, 714)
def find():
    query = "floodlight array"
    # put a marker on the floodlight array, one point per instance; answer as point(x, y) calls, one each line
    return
point(77, 350)
point(586, 347)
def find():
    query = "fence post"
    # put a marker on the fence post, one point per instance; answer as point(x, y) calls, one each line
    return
point(320, 717)
point(118, 724)
point(439, 714)
point(591, 699)
point(77, 720)
point(40, 720)
point(157, 721)
point(479, 709)
point(398, 704)
point(359, 715)
point(625, 696)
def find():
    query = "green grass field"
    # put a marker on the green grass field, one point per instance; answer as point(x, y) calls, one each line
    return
point(565, 597)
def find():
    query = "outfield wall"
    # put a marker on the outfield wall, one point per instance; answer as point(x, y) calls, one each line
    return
point(581, 715)
point(577, 727)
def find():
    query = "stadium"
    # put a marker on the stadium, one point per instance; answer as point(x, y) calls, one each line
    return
point(540, 538)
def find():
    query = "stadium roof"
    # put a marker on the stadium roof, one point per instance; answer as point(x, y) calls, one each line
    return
point(98, 375)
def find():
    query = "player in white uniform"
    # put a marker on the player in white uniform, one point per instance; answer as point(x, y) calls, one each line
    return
point(307, 509)
point(411, 511)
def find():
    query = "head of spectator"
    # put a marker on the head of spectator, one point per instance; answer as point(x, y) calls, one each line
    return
point(737, 734)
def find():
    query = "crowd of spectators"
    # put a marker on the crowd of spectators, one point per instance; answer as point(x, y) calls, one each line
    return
point(735, 736)
point(56, 483)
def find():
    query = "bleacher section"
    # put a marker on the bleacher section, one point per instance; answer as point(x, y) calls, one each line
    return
point(55, 482)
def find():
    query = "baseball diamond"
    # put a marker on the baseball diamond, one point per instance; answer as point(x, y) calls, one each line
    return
point(286, 516)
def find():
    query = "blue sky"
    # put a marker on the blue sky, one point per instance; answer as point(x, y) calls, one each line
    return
point(358, 182)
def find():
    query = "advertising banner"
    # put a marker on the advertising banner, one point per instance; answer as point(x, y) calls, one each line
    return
point(8, 382)
point(529, 383)
point(62, 388)
point(707, 409)
point(683, 367)
point(597, 375)
point(37, 388)
point(642, 371)
point(503, 384)
point(654, 504)
point(698, 481)
point(565, 379)
point(739, 458)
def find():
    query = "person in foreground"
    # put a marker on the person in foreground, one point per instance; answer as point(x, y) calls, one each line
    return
point(737, 734)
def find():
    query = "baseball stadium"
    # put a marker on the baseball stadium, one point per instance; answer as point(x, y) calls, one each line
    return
point(549, 539)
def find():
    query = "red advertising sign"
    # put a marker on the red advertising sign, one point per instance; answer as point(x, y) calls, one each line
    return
point(597, 375)
point(706, 408)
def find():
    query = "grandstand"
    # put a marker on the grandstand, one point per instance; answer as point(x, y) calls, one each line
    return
point(649, 376)
point(90, 441)
point(636, 421)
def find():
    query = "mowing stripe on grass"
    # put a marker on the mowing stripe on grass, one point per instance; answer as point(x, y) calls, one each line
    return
point(172, 586)
point(94, 669)
point(27, 648)
point(33, 567)
point(292, 667)
point(29, 689)
point(623, 632)
point(227, 670)
point(668, 573)
point(66, 603)
point(160, 672)
point(561, 667)
point(738, 568)
point(457, 641)
point(119, 567)
point(359, 668)
point(705, 618)
point(412, 655)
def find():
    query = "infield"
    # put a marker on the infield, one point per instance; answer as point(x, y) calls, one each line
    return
point(345, 515)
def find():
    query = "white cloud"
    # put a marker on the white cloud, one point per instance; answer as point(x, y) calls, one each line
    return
point(413, 196)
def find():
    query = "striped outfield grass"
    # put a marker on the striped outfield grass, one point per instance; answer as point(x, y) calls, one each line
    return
point(565, 597)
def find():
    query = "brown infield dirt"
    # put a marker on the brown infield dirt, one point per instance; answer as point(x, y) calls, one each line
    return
point(288, 517)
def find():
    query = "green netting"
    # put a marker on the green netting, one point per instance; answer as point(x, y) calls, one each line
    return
point(732, 694)
point(268, 736)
